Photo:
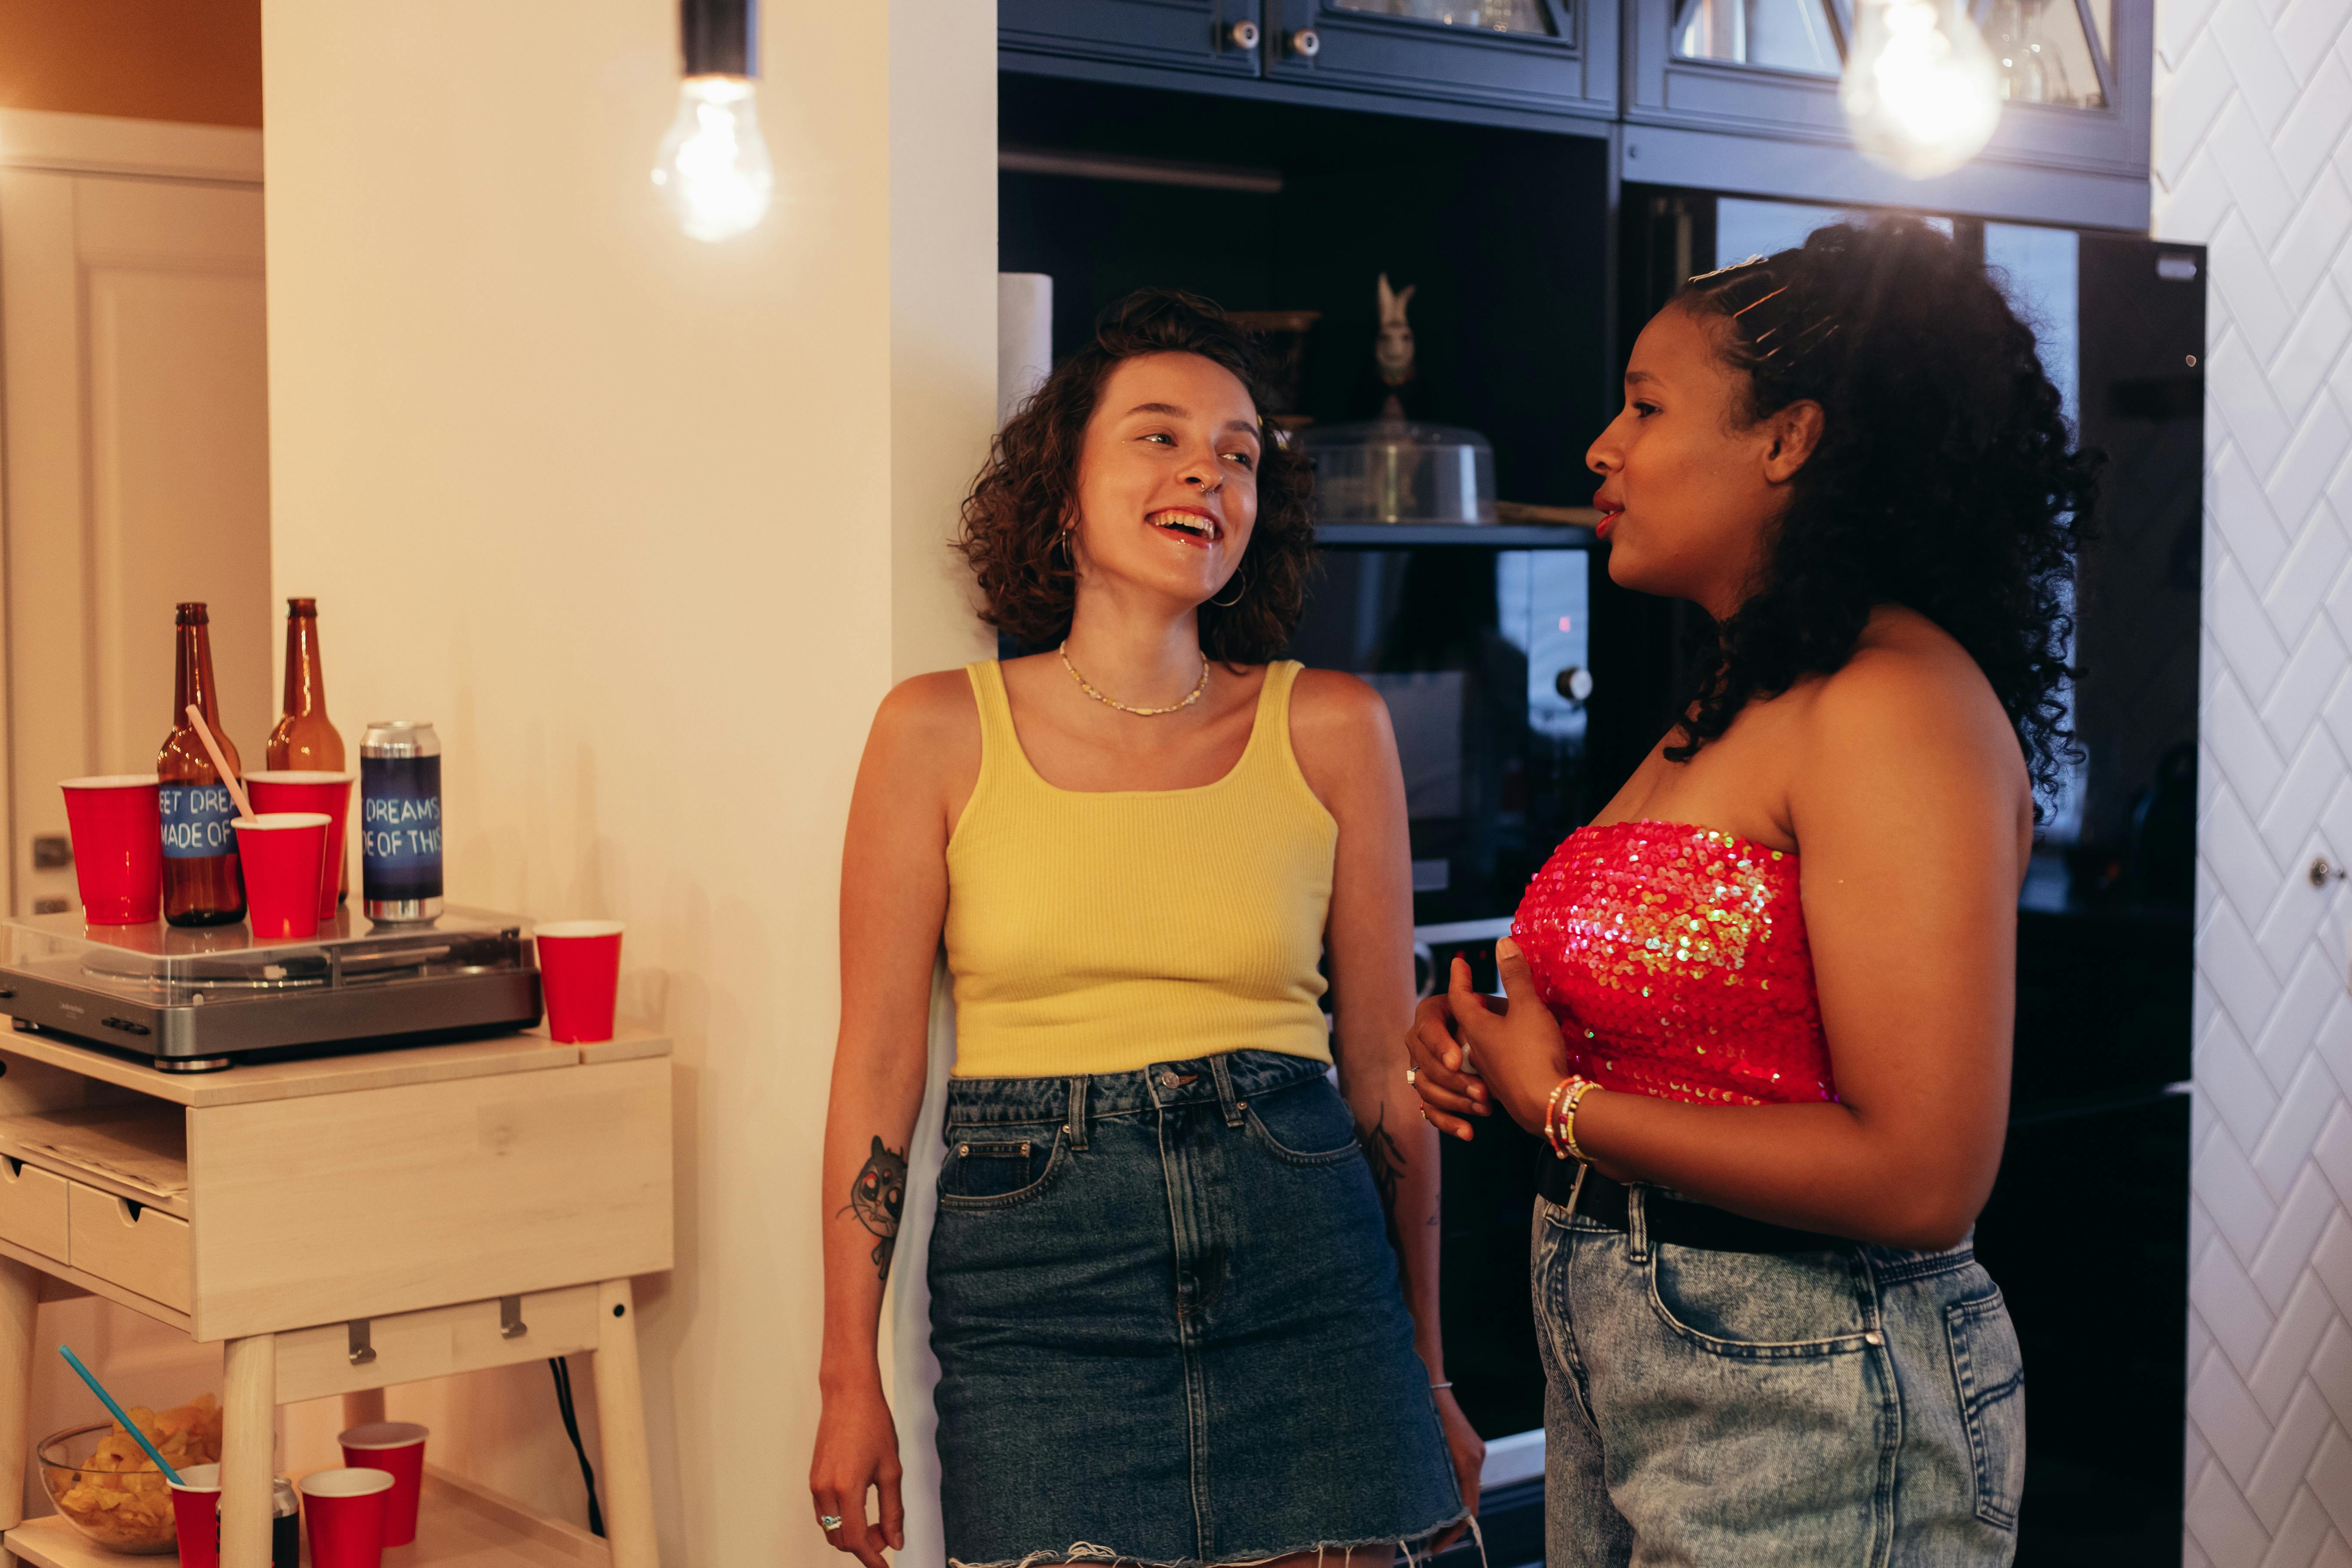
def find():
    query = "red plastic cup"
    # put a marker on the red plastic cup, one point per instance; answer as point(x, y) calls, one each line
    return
point(195, 1510)
point(397, 1448)
point(281, 852)
point(345, 1510)
point(579, 969)
point(118, 847)
point(300, 789)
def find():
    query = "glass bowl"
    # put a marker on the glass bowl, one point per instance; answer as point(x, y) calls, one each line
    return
point(127, 1511)
point(1395, 470)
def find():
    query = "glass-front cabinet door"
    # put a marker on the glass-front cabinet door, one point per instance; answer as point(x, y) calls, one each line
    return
point(2075, 72)
point(1214, 37)
point(1544, 55)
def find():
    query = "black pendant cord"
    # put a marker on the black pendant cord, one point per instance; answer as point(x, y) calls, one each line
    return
point(562, 1371)
point(719, 38)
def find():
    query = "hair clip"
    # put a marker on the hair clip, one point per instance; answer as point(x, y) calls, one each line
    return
point(1798, 347)
point(1720, 271)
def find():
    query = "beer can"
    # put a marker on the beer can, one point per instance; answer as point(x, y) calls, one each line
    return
point(400, 820)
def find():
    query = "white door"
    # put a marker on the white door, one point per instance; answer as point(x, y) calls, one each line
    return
point(136, 461)
point(133, 473)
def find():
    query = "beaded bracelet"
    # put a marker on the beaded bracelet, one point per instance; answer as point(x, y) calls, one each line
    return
point(1560, 1117)
point(1551, 1109)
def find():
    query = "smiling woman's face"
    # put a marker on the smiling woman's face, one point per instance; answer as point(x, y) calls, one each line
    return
point(1168, 476)
point(1689, 487)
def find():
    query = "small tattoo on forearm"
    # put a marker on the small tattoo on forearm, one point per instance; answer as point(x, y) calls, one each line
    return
point(876, 1197)
point(1387, 1161)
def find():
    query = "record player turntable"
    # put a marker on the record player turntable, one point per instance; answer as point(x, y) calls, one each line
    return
point(198, 998)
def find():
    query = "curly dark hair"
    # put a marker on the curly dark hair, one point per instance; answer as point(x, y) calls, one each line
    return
point(1027, 491)
point(1945, 479)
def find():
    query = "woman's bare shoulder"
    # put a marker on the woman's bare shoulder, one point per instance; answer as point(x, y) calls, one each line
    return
point(1338, 712)
point(1911, 708)
point(930, 723)
point(926, 701)
point(1908, 672)
point(1340, 733)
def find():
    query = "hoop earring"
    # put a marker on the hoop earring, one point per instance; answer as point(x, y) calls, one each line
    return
point(1070, 553)
point(1229, 604)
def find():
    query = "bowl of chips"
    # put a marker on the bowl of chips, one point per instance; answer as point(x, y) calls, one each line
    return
point(105, 1485)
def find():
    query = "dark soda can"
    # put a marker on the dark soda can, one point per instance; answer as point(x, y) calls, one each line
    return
point(285, 1525)
point(400, 820)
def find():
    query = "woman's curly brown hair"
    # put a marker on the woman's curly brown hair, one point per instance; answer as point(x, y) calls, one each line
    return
point(1945, 478)
point(1028, 490)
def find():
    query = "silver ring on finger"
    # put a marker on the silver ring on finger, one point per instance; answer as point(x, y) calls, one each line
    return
point(828, 1521)
point(1412, 1077)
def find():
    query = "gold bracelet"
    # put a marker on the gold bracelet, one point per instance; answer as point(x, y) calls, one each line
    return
point(1583, 1087)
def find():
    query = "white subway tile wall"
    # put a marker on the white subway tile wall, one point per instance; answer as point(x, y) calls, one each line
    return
point(2254, 158)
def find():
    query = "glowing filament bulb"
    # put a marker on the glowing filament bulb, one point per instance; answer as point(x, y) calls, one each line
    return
point(713, 172)
point(1921, 91)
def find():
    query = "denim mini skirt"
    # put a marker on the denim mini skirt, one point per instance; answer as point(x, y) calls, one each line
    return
point(1169, 1326)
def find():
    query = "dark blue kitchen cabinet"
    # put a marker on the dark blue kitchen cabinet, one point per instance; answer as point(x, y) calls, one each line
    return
point(1541, 63)
point(1546, 55)
point(1211, 38)
point(1721, 88)
point(1737, 96)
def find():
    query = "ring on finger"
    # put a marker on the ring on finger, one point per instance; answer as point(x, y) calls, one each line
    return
point(1411, 1074)
point(828, 1521)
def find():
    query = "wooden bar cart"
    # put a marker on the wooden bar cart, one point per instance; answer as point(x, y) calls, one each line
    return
point(344, 1224)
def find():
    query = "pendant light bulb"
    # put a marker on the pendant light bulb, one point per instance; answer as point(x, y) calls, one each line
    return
point(713, 171)
point(1920, 92)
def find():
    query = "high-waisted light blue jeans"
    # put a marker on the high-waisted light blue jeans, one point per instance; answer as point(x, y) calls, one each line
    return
point(1861, 1407)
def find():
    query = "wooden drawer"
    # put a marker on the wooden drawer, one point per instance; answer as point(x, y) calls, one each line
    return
point(138, 1247)
point(33, 1208)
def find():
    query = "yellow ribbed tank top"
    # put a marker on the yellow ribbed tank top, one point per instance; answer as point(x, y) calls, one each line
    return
point(1095, 932)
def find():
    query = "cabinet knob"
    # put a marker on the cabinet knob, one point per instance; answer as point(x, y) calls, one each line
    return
point(1306, 43)
point(1242, 35)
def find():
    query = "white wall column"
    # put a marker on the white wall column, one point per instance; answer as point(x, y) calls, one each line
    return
point(647, 527)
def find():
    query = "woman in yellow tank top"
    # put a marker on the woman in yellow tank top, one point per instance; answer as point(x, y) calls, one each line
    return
point(1183, 1294)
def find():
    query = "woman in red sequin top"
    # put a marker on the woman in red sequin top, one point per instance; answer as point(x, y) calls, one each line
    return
point(1762, 1006)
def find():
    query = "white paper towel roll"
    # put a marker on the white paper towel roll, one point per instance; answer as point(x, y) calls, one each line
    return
point(1025, 337)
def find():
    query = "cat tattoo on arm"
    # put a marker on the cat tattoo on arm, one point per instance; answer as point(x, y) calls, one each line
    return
point(876, 1197)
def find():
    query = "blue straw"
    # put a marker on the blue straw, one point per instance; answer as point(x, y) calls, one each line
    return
point(74, 1361)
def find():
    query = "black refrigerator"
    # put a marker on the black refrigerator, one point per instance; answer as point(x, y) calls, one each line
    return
point(2087, 1231)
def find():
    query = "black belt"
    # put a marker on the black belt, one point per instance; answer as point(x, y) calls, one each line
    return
point(1678, 1222)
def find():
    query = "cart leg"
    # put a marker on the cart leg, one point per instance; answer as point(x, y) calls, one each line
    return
point(248, 1426)
point(629, 1472)
point(20, 1299)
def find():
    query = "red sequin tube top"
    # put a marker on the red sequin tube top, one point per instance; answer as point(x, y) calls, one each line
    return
point(1674, 958)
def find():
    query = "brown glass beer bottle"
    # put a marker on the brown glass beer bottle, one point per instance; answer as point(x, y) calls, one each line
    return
point(303, 738)
point(201, 885)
